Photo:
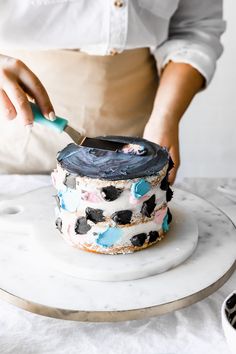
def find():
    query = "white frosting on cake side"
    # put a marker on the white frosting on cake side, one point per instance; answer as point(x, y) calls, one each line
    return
point(112, 216)
point(93, 240)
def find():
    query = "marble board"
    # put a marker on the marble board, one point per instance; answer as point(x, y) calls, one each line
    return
point(30, 282)
point(177, 246)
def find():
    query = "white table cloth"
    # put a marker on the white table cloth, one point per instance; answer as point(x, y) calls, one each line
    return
point(193, 330)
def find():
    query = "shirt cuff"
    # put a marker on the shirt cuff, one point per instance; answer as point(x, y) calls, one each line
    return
point(199, 56)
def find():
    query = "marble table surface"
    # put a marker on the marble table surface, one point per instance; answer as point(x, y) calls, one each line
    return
point(193, 330)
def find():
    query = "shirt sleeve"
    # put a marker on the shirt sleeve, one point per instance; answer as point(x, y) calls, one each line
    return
point(194, 36)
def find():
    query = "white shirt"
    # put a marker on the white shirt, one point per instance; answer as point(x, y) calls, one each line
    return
point(180, 30)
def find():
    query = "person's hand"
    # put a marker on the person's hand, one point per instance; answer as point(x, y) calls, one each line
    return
point(17, 84)
point(179, 83)
point(165, 134)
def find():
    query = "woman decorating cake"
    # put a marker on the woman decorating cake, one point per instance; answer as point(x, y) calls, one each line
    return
point(125, 67)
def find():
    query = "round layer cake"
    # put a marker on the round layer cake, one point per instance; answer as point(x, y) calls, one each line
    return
point(113, 202)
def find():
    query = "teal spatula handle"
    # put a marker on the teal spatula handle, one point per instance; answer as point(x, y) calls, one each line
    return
point(58, 124)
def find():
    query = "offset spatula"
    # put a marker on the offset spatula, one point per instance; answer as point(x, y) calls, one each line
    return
point(61, 125)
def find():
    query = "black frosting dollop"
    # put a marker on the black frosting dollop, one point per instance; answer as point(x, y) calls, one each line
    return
point(138, 240)
point(153, 235)
point(148, 206)
point(111, 193)
point(114, 165)
point(169, 194)
point(122, 217)
point(95, 215)
point(70, 181)
point(169, 216)
point(164, 183)
point(81, 226)
point(58, 223)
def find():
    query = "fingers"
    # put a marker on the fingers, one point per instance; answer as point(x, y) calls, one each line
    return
point(7, 109)
point(17, 83)
point(175, 155)
point(19, 101)
point(167, 138)
point(36, 90)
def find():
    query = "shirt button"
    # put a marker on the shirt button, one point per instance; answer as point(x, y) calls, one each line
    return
point(119, 3)
point(113, 52)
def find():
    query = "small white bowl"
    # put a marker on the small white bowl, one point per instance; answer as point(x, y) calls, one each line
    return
point(229, 330)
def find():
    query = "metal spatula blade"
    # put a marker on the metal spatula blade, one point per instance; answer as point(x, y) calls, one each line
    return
point(61, 125)
point(92, 142)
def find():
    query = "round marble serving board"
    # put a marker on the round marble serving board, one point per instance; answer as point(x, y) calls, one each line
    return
point(31, 283)
point(175, 248)
point(37, 213)
point(37, 216)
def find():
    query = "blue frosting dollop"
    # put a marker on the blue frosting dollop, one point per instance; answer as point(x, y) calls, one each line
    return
point(69, 199)
point(140, 188)
point(165, 224)
point(109, 237)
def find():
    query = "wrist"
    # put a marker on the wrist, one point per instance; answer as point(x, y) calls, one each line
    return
point(165, 122)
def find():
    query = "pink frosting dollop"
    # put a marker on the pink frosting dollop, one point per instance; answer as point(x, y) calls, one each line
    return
point(91, 197)
point(159, 215)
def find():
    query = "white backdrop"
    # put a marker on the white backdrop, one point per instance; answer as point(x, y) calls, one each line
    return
point(208, 129)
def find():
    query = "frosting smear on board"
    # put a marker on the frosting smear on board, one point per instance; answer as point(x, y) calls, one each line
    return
point(138, 158)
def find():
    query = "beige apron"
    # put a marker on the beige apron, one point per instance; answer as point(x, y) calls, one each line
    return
point(99, 95)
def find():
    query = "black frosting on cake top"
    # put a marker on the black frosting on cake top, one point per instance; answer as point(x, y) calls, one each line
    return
point(114, 165)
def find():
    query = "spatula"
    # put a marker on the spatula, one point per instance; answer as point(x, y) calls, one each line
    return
point(61, 125)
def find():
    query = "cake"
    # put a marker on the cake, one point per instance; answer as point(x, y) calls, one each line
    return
point(113, 202)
